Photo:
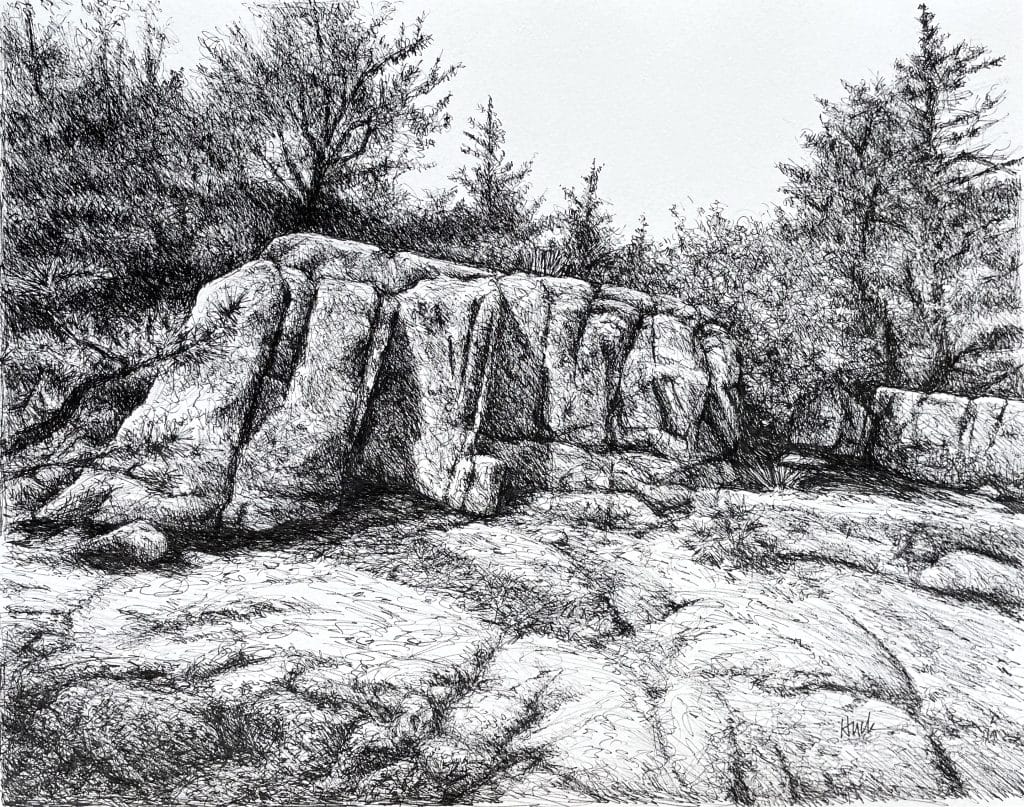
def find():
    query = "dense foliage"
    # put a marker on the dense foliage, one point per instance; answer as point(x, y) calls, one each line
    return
point(128, 185)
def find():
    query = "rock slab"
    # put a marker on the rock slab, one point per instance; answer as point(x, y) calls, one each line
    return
point(965, 443)
point(135, 544)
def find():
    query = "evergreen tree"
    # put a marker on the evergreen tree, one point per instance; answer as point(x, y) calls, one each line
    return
point(959, 204)
point(913, 212)
point(588, 238)
point(945, 120)
point(635, 264)
point(498, 193)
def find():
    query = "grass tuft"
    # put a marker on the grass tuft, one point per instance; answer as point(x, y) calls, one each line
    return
point(736, 536)
point(762, 472)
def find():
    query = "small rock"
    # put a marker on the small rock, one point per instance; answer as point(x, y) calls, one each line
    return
point(135, 544)
point(803, 461)
point(476, 485)
point(989, 492)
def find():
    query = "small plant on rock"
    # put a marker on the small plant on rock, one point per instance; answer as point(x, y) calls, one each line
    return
point(763, 472)
point(734, 535)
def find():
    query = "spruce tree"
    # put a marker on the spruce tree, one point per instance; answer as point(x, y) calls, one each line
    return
point(912, 210)
point(588, 238)
point(497, 190)
point(955, 202)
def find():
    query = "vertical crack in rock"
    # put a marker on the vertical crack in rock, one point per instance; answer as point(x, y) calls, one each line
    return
point(491, 329)
point(884, 406)
point(961, 461)
point(989, 471)
point(562, 360)
point(381, 331)
point(478, 357)
point(468, 346)
point(576, 341)
point(291, 347)
point(249, 418)
point(708, 417)
point(514, 397)
point(298, 348)
point(944, 764)
point(997, 426)
point(664, 407)
point(468, 386)
point(539, 413)
point(613, 377)
point(656, 402)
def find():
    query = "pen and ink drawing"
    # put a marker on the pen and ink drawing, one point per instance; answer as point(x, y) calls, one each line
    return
point(319, 489)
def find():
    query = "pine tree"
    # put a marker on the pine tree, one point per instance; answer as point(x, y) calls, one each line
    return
point(913, 212)
point(956, 204)
point(946, 121)
point(498, 193)
point(588, 239)
point(638, 252)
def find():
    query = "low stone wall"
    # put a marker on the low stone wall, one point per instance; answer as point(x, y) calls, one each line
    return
point(964, 443)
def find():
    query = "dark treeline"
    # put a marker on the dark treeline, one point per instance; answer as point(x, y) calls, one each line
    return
point(128, 185)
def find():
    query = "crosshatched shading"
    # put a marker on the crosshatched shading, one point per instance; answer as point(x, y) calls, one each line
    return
point(317, 491)
point(369, 340)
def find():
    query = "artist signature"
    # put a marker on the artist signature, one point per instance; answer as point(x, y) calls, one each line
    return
point(856, 729)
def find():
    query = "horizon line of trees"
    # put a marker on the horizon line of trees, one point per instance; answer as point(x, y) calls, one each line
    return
point(892, 261)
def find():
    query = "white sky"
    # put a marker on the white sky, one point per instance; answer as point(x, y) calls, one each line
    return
point(684, 101)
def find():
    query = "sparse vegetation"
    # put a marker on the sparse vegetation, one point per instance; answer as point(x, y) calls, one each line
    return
point(736, 534)
point(762, 471)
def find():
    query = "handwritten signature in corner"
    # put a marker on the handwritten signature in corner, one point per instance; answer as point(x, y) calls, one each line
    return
point(850, 728)
point(993, 733)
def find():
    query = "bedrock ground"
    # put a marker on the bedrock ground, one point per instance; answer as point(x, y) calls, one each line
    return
point(850, 640)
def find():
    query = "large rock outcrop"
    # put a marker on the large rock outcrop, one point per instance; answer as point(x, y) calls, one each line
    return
point(173, 460)
point(327, 362)
point(957, 442)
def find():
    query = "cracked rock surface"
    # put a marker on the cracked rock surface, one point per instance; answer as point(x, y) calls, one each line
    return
point(326, 364)
point(850, 641)
point(966, 443)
